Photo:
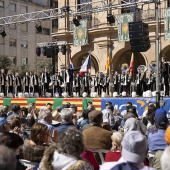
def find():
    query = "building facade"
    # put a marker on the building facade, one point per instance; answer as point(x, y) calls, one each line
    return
point(102, 37)
point(21, 39)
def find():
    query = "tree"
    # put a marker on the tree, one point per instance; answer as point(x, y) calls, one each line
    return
point(22, 69)
point(40, 66)
point(5, 62)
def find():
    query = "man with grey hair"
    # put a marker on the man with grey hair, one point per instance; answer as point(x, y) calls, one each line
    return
point(7, 158)
point(45, 117)
point(66, 117)
point(165, 159)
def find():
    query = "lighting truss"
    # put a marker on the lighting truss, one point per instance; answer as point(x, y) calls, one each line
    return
point(49, 44)
point(84, 9)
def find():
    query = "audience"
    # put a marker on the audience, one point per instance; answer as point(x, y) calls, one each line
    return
point(4, 125)
point(165, 159)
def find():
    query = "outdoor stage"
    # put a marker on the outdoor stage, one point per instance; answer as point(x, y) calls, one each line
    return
point(99, 103)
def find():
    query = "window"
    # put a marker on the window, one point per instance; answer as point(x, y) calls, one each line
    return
point(168, 3)
point(46, 31)
point(54, 3)
point(24, 61)
point(12, 7)
point(24, 45)
point(13, 59)
point(13, 42)
point(24, 9)
point(1, 4)
point(128, 9)
point(55, 23)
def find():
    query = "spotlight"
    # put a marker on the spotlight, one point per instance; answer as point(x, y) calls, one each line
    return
point(3, 33)
point(38, 27)
point(56, 50)
point(76, 22)
point(44, 51)
point(65, 9)
point(38, 51)
point(49, 52)
point(63, 49)
point(110, 19)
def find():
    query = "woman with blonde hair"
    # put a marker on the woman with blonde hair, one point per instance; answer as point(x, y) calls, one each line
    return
point(114, 154)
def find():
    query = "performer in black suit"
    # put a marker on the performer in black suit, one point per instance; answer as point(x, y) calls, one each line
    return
point(57, 79)
point(165, 75)
point(26, 82)
point(35, 82)
point(69, 79)
point(139, 83)
point(116, 82)
point(45, 79)
point(3, 81)
point(77, 83)
point(18, 83)
point(86, 83)
point(96, 83)
point(106, 83)
point(9, 79)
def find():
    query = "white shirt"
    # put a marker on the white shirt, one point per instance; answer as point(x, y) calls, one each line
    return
point(110, 165)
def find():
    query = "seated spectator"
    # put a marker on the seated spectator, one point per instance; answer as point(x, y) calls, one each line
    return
point(33, 149)
point(14, 142)
point(133, 148)
point(66, 117)
point(85, 119)
point(114, 154)
point(66, 153)
point(15, 111)
point(7, 158)
point(45, 117)
point(165, 159)
point(96, 137)
point(4, 125)
point(16, 127)
point(56, 118)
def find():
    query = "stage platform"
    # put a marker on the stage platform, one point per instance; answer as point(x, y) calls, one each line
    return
point(99, 103)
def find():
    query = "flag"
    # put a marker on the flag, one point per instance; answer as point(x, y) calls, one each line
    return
point(86, 65)
point(71, 63)
point(107, 65)
point(131, 64)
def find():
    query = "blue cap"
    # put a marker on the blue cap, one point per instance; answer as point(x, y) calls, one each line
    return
point(161, 120)
point(160, 111)
point(3, 121)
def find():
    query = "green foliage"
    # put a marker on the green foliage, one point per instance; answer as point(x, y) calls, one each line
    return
point(5, 62)
point(40, 66)
point(21, 69)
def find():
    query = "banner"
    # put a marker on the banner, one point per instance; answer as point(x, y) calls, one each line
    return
point(123, 28)
point(80, 36)
point(167, 23)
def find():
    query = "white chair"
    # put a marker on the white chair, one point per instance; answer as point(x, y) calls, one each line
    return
point(115, 94)
point(101, 153)
point(133, 94)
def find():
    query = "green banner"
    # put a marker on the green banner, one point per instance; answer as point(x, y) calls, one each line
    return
point(7, 101)
point(31, 100)
point(57, 103)
point(85, 101)
point(80, 36)
point(123, 28)
point(167, 23)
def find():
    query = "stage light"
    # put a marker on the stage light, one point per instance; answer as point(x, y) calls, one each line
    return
point(63, 49)
point(76, 22)
point(49, 52)
point(65, 9)
point(3, 33)
point(38, 27)
point(56, 50)
point(44, 51)
point(38, 51)
point(110, 19)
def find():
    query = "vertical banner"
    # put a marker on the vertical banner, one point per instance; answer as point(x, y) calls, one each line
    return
point(123, 28)
point(80, 36)
point(167, 23)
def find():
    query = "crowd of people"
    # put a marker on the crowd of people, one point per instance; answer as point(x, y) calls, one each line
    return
point(71, 82)
point(62, 139)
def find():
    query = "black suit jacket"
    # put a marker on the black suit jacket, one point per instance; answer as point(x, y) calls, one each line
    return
point(71, 72)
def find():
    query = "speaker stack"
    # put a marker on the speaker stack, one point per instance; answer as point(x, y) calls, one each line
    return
point(139, 36)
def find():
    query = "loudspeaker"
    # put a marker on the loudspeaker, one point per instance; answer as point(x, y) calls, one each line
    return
point(138, 35)
point(38, 51)
point(49, 52)
point(63, 49)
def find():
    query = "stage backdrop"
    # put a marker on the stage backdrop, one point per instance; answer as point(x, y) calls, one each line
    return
point(119, 103)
